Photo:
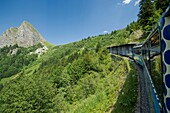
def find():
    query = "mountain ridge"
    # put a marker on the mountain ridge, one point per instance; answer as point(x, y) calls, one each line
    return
point(25, 36)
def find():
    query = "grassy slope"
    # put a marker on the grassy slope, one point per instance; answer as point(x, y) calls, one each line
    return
point(127, 99)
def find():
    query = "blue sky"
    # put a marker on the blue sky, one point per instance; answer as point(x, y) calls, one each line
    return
point(64, 21)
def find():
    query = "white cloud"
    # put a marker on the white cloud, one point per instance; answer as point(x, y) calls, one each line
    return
point(126, 1)
point(137, 2)
point(105, 32)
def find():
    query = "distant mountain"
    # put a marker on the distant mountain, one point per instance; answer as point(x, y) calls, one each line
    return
point(25, 35)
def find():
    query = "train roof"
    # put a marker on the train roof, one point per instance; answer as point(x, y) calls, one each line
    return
point(123, 45)
point(137, 46)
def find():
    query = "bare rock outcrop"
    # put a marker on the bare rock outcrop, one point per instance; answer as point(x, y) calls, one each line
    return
point(25, 35)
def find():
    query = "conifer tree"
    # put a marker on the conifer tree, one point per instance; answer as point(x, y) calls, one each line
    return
point(162, 4)
point(146, 11)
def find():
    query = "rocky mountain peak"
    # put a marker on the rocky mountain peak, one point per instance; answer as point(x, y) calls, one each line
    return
point(25, 35)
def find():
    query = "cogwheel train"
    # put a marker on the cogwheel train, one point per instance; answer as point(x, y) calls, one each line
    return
point(155, 48)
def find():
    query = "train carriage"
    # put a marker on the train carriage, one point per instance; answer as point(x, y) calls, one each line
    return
point(154, 56)
point(124, 50)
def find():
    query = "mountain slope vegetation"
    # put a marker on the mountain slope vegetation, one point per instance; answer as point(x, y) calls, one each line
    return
point(80, 76)
point(14, 58)
point(77, 77)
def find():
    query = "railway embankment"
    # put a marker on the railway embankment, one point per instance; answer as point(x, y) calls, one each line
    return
point(127, 99)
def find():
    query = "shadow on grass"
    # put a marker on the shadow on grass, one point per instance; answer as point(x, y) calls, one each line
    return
point(127, 98)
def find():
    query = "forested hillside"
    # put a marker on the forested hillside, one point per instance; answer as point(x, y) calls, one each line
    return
point(79, 77)
point(14, 58)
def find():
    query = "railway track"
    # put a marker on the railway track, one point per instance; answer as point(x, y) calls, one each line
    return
point(143, 105)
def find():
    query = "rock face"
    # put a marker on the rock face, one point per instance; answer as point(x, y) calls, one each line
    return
point(137, 34)
point(40, 51)
point(25, 35)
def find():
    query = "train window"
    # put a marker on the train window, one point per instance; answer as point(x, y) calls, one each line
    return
point(155, 46)
point(155, 39)
point(137, 49)
point(127, 50)
point(147, 52)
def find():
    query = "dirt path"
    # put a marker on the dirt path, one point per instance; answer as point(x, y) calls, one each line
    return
point(143, 95)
